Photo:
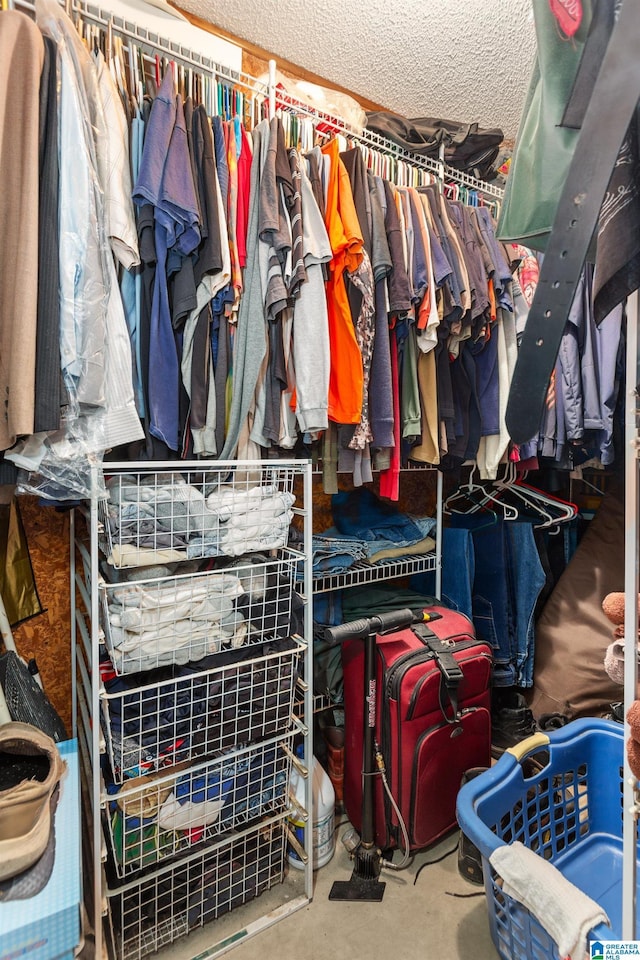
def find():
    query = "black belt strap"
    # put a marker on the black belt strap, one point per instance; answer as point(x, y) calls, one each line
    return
point(602, 21)
point(450, 669)
point(605, 124)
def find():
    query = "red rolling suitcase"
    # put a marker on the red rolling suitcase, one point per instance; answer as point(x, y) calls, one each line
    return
point(433, 723)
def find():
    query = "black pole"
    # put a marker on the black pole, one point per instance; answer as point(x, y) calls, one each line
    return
point(369, 726)
point(365, 883)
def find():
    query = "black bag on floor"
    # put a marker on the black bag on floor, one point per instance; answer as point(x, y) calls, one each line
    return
point(466, 146)
point(26, 701)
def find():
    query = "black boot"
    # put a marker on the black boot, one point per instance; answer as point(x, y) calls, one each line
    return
point(469, 857)
point(511, 720)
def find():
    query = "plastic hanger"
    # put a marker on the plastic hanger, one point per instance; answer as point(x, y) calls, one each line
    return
point(448, 508)
point(530, 508)
point(561, 510)
point(473, 497)
point(550, 510)
point(565, 508)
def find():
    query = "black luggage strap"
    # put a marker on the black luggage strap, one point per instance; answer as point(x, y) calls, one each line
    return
point(450, 670)
point(606, 120)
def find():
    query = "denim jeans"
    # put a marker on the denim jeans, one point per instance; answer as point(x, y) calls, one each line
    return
point(492, 613)
point(528, 578)
point(360, 514)
point(507, 580)
point(333, 554)
point(458, 569)
point(327, 608)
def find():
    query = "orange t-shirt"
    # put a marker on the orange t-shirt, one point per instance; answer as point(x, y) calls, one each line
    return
point(346, 376)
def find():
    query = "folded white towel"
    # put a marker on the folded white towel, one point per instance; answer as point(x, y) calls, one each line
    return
point(565, 912)
point(173, 592)
point(227, 499)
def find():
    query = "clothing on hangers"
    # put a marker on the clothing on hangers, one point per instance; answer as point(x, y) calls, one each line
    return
point(408, 346)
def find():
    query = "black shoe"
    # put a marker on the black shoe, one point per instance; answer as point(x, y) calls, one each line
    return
point(511, 722)
point(552, 721)
point(469, 857)
point(617, 712)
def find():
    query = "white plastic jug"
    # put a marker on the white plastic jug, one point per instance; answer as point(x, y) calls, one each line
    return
point(324, 805)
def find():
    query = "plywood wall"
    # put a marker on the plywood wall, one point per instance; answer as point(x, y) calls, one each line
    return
point(47, 636)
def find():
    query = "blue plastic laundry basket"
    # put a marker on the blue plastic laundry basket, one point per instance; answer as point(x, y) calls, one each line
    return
point(569, 812)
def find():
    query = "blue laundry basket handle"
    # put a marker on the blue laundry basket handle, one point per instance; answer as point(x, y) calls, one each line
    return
point(522, 750)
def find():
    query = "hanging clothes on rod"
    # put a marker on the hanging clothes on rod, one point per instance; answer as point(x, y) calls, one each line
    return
point(415, 231)
point(310, 286)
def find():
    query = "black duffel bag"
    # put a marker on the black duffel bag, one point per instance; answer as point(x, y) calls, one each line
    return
point(466, 146)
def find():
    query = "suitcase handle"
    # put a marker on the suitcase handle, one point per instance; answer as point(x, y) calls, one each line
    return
point(365, 626)
point(447, 665)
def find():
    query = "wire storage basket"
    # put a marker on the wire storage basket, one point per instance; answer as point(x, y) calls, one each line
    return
point(162, 815)
point(160, 621)
point(159, 517)
point(154, 911)
point(163, 717)
point(560, 796)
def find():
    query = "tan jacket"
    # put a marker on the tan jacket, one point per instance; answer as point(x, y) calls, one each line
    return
point(21, 59)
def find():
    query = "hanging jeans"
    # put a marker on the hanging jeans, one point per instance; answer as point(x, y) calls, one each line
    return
point(458, 569)
point(527, 580)
point(507, 579)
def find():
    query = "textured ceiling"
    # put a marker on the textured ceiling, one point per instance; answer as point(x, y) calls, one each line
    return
point(468, 60)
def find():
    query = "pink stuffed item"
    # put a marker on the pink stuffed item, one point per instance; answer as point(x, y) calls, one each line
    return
point(633, 719)
point(633, 756)
point(613, 608)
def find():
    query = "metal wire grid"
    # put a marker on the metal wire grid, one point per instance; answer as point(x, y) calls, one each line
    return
point(155, 911)
point(155, 516)
point(150, 43)
point(159, 816)
point(363, 572)
point(157, 622)
point(194, 714)
point(376, 141)
point(153, 43)
point(174, 51)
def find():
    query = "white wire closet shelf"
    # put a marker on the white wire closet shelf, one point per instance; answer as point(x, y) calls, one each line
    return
point(152, 722)
point(363, 572)
point(376, 141)
point(151, 43)
point(224, 724)
point(152, 912)
point(156, 622)
point(183, 809)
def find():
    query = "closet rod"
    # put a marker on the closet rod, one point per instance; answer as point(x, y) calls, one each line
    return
point(172, 50)
point(377, 142)
point(153, 41)
point(175, 51)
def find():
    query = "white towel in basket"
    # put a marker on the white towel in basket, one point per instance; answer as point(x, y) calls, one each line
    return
point(565, 912)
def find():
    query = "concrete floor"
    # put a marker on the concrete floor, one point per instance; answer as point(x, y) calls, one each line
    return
point(421, 922)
